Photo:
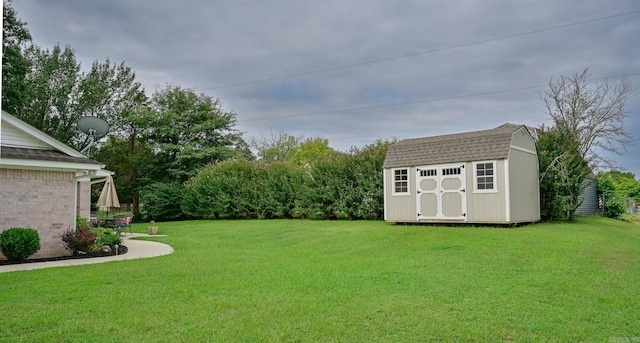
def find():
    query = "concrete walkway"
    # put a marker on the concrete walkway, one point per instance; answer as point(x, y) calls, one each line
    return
point(137, 249)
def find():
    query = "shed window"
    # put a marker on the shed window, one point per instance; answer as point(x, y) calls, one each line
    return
point(428, 172)
point(485, 176)
point(451, 171)
point(401, 181)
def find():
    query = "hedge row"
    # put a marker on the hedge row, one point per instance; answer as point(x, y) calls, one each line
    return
point(344, 186)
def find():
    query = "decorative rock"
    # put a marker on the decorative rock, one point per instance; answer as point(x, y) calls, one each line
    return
point(106, 248)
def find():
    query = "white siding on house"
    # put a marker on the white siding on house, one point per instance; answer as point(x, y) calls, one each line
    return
point(11, 136)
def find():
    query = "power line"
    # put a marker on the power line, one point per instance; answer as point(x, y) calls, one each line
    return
point(426, 51)
point(426, 100)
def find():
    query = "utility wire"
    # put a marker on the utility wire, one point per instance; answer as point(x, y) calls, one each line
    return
point(425, 52)
point(426, 100)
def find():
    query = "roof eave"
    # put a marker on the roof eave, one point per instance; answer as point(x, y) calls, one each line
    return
point(11, 163)
point(54, 143)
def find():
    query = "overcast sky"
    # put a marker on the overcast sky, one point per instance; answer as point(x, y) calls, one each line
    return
point(355, 71)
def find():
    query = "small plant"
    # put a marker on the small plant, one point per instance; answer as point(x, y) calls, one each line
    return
point(81, 221)
point(79, 240)
point(19, 243)
point(108, 238)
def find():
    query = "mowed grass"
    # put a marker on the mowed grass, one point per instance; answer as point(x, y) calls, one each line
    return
point(339, 281)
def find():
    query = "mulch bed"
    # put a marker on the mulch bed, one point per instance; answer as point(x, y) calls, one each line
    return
point(121, 250)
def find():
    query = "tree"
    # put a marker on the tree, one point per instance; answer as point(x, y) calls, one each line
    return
point(280, 147)
point(129, 158)
point(47, 89)
point(189, 131)
point(59, 93)
point(624, 184)
point(563, 171)
point(312, 151)
point(588, 126)
point(15, 65)
point(110, 91)
point(53, 83)
point(594, 114)
point(127, 152)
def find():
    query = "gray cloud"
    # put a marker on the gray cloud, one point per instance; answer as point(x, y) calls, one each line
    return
point(206, 44)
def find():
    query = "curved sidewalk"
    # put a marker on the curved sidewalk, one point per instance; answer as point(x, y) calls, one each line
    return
point(137, 249)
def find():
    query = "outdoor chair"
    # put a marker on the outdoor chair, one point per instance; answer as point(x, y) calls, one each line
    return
point(127, 224)
point(119, 224)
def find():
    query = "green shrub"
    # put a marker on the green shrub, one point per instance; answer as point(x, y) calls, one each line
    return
point(279, 187)
point(79, 240)
point(339, 186)
point(19, 243)
point(614, 208)
point(107, 238)
point(162, 201)
point(223, 190)
point(81, 221)
point(612, 205)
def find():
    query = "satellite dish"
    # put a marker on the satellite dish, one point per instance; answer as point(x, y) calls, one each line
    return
point(92, 127)
point(99, 126)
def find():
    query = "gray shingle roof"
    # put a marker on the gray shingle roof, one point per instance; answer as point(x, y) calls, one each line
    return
point(461, 147)
point(41, 155)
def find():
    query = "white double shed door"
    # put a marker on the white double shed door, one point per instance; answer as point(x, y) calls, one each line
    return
point(441, 192)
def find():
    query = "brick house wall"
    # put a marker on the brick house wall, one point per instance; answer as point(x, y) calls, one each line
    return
point(84, 198)
point(41, 200)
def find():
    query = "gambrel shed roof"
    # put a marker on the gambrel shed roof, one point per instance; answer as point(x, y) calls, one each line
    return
point(461, 147)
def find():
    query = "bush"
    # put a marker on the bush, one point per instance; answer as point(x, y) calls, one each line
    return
point(80, 240)
point(106, 237)
point(19, 243)
point(612, 205)
point(223, 190)
point(614, 208)
point(162, 201)
point(81, 221)
point(339, 186)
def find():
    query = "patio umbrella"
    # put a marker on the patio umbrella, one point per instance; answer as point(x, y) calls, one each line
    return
point(108, 197)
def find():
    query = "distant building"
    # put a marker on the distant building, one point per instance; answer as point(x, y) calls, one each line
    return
point(588, 197)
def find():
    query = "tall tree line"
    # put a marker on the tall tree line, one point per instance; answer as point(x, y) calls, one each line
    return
point(163, 138)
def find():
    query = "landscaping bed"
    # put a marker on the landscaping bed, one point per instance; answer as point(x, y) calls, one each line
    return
point(121, 250)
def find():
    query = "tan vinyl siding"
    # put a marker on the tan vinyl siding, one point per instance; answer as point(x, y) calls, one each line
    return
point(523, 183)
point(400, 207)
point(522, 140)
point(487, 207)
point(508, 193)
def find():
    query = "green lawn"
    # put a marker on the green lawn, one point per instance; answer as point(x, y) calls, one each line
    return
point(328, 281)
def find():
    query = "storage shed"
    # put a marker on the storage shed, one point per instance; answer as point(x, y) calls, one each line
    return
point(481, 177)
